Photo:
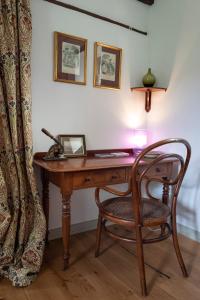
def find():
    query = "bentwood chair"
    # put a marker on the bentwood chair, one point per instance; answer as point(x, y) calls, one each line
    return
point(136, 212)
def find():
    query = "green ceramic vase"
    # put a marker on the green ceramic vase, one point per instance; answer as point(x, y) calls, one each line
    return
point(149, 79)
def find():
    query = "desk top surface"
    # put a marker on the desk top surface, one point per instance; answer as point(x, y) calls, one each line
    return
point(84, 163)
point(87, 163)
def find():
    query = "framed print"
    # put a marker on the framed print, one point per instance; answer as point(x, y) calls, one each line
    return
point(107, 66)
point(74, 145)
point(70, 58)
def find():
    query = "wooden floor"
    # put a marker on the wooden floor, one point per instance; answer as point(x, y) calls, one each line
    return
point(113, 275)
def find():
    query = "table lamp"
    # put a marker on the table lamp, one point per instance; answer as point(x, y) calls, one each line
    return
point(139, 140)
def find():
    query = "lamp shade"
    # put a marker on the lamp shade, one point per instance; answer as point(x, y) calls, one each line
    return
point(139, 138)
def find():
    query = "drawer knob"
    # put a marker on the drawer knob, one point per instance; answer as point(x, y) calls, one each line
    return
point(158, 170)
point(87, 179)
point(114, 177)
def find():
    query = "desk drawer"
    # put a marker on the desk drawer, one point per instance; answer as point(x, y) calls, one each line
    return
point(160, 170)
point(99, 178)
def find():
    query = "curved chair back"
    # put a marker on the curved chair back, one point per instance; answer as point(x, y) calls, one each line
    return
point(141, 182)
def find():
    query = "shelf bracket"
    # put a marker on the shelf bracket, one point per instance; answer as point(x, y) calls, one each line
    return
point(148, 100)
point(148, 91)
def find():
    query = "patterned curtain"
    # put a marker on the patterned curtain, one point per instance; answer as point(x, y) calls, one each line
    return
point(22, 222)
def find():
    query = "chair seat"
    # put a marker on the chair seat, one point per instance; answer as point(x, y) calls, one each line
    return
point(122, 207)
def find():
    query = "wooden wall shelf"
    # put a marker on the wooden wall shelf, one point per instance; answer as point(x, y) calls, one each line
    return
point(148, 91)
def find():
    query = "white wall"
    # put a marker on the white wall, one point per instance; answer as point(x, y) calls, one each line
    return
point(106, 117)
point(174, 47)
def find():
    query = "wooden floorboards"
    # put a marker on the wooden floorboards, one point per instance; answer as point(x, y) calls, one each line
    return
point(114, 274)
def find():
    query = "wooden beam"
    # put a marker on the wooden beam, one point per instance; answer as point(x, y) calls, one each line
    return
point(149, 2)
point(91, 14)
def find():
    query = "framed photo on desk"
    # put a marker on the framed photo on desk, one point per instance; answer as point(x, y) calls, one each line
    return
point(74, 145)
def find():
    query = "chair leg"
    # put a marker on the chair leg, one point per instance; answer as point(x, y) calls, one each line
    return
point(140, 257)
point(177, 248)
point(98, 235)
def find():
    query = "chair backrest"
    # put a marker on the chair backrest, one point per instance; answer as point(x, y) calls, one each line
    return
point(143, 177)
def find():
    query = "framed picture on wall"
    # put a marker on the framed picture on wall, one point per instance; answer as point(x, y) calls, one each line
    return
point(70, 58)
point(107, 66)
point(74, 145)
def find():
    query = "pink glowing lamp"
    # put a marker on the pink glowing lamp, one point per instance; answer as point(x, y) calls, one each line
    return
point(139, 139)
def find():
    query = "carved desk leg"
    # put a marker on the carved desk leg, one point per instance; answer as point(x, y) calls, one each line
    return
point(45, 199)
point(66, 221)
point(165, 198)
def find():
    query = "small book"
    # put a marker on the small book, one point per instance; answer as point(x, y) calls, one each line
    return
point(120, 154)
point(152, 154)
point(113, 154)
point(103, 155)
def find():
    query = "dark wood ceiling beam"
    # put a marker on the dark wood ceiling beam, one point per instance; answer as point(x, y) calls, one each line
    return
point(94, 15)
point(149, 2)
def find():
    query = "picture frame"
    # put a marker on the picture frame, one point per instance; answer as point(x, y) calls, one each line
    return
point(74, 144)
point(107, 66)
point(70, 58)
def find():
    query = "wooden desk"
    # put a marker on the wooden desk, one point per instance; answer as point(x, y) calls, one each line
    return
point(81, 173)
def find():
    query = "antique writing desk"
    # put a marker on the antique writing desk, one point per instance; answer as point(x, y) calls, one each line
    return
point(87, 172)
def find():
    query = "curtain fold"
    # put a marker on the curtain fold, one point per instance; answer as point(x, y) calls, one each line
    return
point(22, 222)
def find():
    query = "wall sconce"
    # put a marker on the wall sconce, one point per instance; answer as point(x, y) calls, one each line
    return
point(140, 140)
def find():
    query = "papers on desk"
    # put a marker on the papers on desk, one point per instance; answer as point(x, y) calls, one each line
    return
point(120, 154)
point(153, 154)
point(112, 154)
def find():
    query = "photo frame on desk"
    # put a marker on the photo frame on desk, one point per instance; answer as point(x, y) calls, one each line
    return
point(74, 145)
point(70, 58)
point(107, 66)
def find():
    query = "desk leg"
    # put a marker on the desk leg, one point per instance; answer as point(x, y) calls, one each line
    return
point(45, 199)
point(165, 198)
point(66, 221)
